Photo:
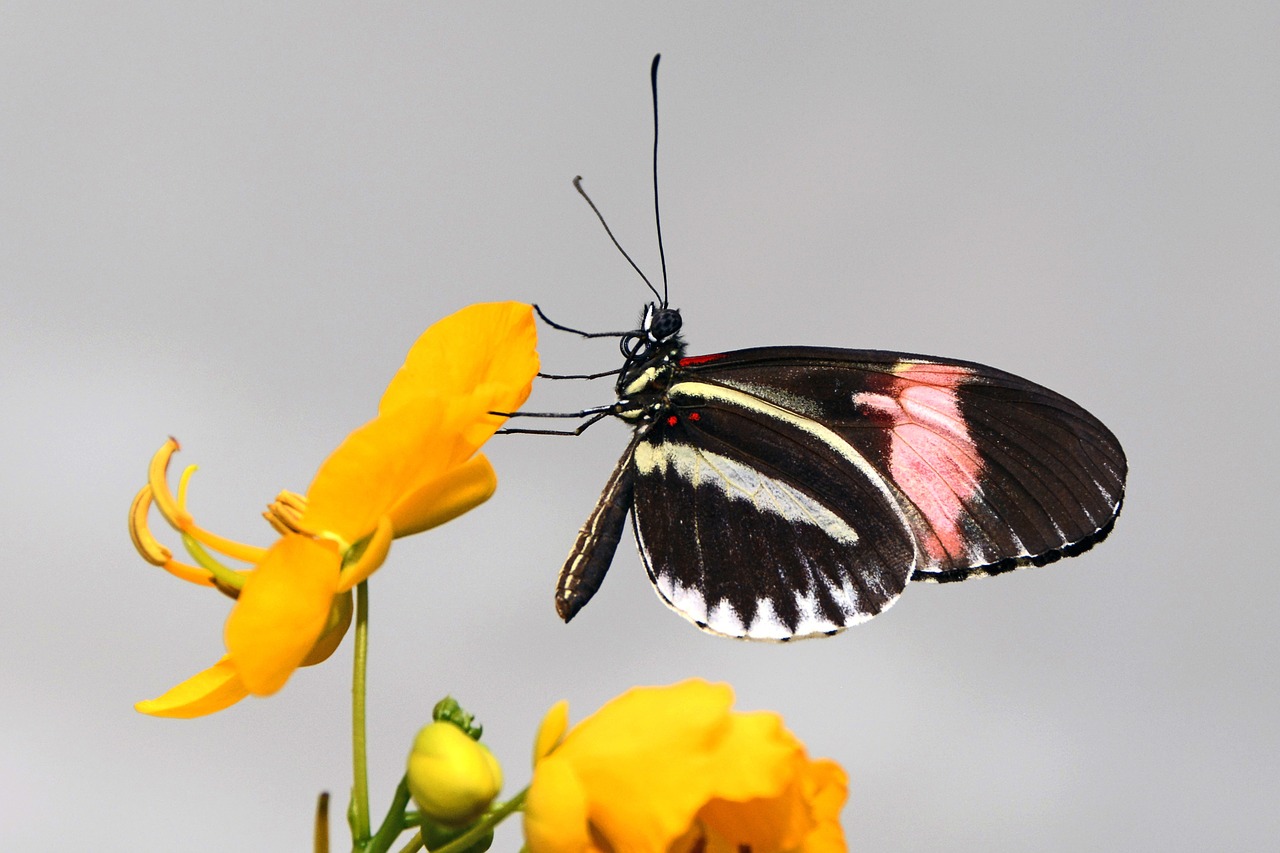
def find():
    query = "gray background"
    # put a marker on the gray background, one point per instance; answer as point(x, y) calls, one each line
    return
point(228, 224)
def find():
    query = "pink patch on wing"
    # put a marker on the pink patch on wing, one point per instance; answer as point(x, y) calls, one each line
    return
point(932, 457)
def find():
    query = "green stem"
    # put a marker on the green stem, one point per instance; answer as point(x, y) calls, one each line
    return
point(414, 844)
point(485, 824)
point(359, 762)
point(394, 823)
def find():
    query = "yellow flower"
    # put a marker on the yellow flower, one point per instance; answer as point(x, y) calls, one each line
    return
point(675, 770)
point(411, 468)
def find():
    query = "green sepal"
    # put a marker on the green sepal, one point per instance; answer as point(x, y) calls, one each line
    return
point(447, 710)
point(435, 836)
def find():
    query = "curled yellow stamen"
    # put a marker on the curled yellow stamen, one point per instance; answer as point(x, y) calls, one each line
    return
point(158, 480)
point(191, 574)
point(147, 544)
point(151, 549)
point(227, 547)
point(174, 509)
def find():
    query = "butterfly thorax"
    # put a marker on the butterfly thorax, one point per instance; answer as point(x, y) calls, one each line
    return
point(642, 388)
point(652, 356)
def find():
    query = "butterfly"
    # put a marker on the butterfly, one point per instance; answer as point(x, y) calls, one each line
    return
point(786, 492)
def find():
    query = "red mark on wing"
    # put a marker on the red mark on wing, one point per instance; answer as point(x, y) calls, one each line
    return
point(672, 421)
point(692, 360)
point(694, 416)
point(932, 456)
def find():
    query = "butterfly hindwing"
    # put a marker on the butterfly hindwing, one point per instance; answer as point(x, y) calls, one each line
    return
point(756, 522)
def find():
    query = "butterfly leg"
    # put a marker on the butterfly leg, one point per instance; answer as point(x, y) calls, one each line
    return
point(561, 328)
point(592, 415)
point(579, 375)
point(579, 431)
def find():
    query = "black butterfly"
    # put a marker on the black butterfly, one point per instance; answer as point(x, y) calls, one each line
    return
point(785, 492)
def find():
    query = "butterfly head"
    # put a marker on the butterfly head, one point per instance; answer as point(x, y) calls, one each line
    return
point(659, 327)
point(651, 352)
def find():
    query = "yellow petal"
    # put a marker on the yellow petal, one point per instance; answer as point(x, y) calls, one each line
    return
point(555, 811)
point(826, 788)
point(648, 760)
point(383, 461)
point(445, 498)
point(551, 731)
point(433, 418)
point(803, 815)
point(375, 553)
point(282, 611)
point(692, 712)
point(489, 346)
point(216, 688)
point(756, 757)
point(771, 824)
point(335, 628)
point(697, 841)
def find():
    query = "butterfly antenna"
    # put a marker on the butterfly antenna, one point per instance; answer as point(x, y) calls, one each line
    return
point(657, 215)
point(577, 184)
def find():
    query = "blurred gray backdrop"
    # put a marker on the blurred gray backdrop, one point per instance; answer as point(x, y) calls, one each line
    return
point(228, 222)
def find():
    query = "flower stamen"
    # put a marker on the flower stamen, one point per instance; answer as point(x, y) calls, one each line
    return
point(228, 581)
point(158, 480)
point(284, 514)
point(143, 539)
point(174, 509)
point(151, 549)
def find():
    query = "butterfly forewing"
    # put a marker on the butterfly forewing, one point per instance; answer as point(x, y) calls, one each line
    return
point(994, 471)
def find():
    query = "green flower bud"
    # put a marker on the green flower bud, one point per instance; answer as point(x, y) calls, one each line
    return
point(452, 778)
point(447, 710)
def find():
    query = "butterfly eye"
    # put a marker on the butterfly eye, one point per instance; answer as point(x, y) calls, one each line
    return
point(666, 322)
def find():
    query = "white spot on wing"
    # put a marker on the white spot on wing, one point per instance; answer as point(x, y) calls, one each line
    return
point(688, 601)
point(766, 625)
point(724, 620)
